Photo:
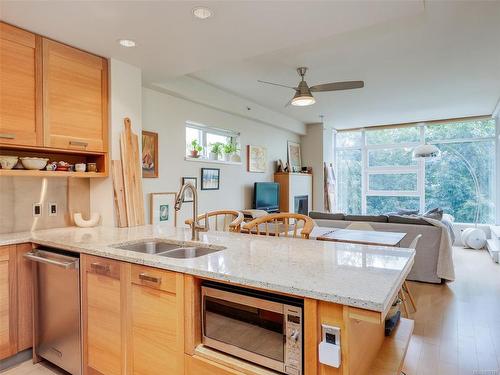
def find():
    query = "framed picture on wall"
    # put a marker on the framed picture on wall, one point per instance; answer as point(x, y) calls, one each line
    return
point(162, 209)
point(210, 179)
point(256, 159)
point(149, 154)
point(188, 194)
point(294, 160)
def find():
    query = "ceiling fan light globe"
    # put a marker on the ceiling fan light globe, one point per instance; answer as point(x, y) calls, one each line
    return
point(303, 101)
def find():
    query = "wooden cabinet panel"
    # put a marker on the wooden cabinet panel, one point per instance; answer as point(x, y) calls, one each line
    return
point(74, 98)
point(24, 298)
point(102, 315)
point(20, 87)
point(8, 302)
point(157, 331)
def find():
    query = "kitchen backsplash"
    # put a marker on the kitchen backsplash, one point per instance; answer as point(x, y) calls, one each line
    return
point(18, 194)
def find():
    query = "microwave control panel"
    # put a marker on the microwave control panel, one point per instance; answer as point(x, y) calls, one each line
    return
point(293, 344)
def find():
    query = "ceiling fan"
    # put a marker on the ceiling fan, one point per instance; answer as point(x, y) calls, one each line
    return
point(303, 93)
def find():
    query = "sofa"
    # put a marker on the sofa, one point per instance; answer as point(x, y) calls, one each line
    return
point(426, 253)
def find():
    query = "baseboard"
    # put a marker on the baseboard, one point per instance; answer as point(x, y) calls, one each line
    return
point(15, 360)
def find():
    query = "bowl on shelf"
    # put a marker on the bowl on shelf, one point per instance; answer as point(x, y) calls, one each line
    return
point(8, 162)
point(34, 163)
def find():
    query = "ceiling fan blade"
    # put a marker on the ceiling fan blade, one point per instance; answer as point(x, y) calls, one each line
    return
point(334, 86)
point(277, 84)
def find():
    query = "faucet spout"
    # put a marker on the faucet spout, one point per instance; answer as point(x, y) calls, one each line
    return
point(195, 226)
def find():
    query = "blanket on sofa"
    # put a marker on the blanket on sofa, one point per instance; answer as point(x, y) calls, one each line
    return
point(445, 266)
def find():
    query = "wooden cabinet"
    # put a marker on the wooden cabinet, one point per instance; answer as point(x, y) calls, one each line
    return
point(20, 87)
point(157, 320)
point(103, 300)
point(24, 298)
point(8, 302)
point(75, 98)
point(133, 318)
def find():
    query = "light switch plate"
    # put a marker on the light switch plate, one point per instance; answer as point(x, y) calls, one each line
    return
point(52, 209)
point(37, 209)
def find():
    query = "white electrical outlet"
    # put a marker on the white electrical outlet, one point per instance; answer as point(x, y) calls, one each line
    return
point(52, 209)
point(37, 209)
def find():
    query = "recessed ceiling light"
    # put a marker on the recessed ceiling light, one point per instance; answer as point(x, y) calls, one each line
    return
point(126, 43)
point(203, 13)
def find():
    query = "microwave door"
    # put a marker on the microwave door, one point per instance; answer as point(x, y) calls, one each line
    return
point(247, 327)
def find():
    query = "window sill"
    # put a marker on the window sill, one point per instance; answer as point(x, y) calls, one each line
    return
point(202, 160)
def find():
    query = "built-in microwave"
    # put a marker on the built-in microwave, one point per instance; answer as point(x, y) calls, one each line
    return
point(260, 327)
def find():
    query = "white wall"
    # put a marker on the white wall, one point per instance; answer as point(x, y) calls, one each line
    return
point(125, 91)
point(167, 115)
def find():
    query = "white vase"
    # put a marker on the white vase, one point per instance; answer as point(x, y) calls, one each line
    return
point(227, 157)
point(214, 156)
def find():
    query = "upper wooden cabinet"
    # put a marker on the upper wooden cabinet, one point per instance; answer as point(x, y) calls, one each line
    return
point(20, 87)
point(75, 97)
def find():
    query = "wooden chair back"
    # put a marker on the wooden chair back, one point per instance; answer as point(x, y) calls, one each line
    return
point(282, 224)
point(223, 220)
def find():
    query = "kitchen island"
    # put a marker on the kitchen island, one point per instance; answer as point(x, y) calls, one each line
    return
point(345, 285)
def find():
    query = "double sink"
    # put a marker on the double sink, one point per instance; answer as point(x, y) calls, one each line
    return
point(169, 249)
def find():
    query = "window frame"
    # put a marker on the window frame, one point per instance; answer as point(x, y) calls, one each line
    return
point(204, 130)
point(418, 168)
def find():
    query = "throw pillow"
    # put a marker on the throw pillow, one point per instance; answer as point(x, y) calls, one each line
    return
point(435, 213)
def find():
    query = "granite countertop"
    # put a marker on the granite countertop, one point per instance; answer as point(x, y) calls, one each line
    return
point(356, 275)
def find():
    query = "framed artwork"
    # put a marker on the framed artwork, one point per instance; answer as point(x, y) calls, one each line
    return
point(149, 154)
point(162, 208)
point(294, 159)
point(210, 178)
point(256, 159)
point(188, 194)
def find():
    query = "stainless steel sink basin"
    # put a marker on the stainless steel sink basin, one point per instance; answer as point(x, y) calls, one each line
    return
point(189, 252)
point(169, 249)
point(149, 246)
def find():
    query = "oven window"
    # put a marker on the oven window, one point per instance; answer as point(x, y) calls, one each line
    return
point(249, 328)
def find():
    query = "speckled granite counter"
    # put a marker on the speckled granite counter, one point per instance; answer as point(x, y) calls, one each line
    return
point(355, 275)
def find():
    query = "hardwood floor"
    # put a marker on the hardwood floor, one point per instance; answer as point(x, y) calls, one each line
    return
point(457, 325)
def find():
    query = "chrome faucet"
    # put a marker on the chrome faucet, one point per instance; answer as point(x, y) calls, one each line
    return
point(195, 226)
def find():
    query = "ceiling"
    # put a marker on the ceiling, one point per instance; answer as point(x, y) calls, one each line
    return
point(419, 61)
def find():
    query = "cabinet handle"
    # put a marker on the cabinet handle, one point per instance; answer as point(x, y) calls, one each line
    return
point(7, 136)
point(100, 268)
point(145, 277)
point(78, 143)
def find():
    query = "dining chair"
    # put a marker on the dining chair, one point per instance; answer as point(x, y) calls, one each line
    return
point(405, 289)
point(223, 220)
point(281, 224)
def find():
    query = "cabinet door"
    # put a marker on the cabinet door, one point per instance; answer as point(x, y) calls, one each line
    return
point(74, 98)
point(102, 300)
point(20, 88)
point(8, 302)
point(24, 298)
point(157, 319)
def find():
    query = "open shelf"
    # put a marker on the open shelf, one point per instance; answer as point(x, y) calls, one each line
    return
point(44, 173)
point(56, 155)
point(391, 355)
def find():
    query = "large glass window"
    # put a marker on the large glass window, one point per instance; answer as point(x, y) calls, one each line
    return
point(376, 173)
point(203, 138)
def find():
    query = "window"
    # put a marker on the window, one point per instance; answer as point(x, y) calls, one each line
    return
point(206, 137)
point(376, 173)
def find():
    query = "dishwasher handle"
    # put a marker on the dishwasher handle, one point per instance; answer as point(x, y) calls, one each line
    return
point(32, 255)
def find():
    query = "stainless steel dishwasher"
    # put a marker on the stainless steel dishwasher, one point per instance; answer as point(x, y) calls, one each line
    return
point(57, 327)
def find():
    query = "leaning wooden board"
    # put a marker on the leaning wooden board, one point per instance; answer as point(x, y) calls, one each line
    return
point(132, 175)
point(119, 193)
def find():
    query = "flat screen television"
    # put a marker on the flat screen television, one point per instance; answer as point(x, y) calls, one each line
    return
point(266, 196)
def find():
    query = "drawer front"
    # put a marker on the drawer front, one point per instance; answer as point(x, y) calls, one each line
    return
point(77, 144)
point(201, 366)
point(102, 266)
point(154, 278)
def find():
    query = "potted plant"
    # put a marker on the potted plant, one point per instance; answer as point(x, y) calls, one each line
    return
point(195, 149)
point(216, 150)
point(229, 150)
